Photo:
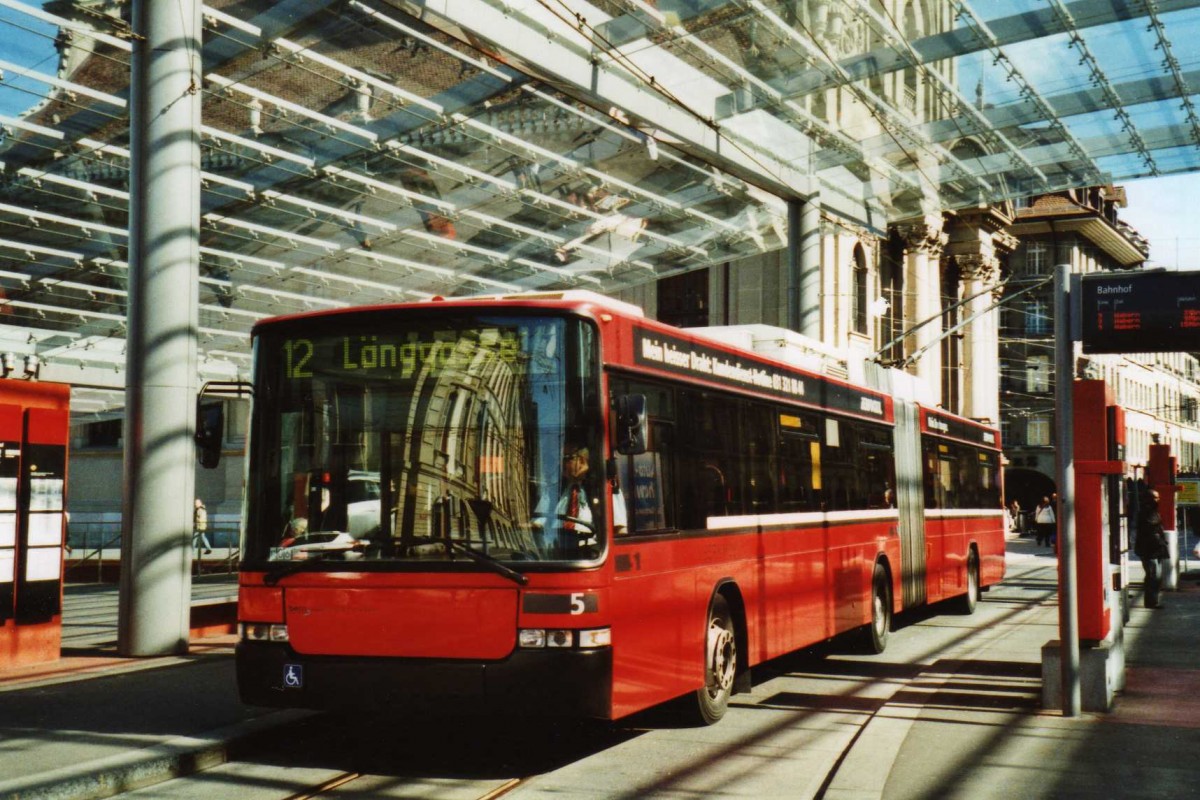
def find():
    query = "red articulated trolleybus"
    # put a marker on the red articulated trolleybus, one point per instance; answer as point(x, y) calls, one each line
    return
point(548, 504)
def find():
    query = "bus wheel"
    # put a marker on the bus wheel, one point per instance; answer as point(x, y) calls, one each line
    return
point(970, 600)
point(881, 611)
point(720, 663)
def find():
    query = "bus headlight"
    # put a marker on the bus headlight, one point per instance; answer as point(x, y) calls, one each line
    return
point(532, 638)
point(596, 637)
point(560, 638)
point(264, 632)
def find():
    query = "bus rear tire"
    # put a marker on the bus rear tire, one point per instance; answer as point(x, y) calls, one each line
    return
point(969, 601)
point(881, 611)
point(720, 664)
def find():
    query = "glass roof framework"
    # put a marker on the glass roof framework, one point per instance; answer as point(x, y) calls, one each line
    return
point(368, 151)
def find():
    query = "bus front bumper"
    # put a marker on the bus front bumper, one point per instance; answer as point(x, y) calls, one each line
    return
point(543, 682)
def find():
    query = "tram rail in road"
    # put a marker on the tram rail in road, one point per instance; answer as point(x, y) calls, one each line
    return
point(339, 781)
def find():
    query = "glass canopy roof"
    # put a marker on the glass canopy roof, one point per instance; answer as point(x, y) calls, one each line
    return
point(364, 151)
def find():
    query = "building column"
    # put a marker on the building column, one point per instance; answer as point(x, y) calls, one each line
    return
point(804, 267)
point(981, 337)
point(161, 360)
point(923, 244)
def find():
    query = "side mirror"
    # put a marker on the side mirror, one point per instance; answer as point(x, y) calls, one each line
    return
point(631, 424)
point(210, 418)
point(210, 429)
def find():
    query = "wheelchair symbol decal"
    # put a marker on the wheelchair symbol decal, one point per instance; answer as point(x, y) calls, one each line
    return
point(293, 676)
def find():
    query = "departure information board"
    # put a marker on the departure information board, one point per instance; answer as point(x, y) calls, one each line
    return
point(1140, 312)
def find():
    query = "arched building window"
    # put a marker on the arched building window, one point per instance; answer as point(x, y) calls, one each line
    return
point(859, 280)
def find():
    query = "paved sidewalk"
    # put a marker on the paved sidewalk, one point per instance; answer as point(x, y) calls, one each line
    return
point(971, 737)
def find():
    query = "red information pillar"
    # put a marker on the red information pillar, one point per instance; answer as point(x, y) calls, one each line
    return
point(1099, 462)
point(34, 428)
point(10, 462)
point(1160, 474)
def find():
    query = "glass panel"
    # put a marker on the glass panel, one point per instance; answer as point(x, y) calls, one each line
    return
point(1037, 374)
point(798, 449)
point(646, 480)
point(391, 439)
point(1037, 318)
point(43, 564)
point(45, 529)
point(711, 458)
point(1038, 431)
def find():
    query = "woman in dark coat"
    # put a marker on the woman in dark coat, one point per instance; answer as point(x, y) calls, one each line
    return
point(1151, 546)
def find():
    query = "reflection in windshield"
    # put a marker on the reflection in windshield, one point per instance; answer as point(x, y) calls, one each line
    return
point(414, 443)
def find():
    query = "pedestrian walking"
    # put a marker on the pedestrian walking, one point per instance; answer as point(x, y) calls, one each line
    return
point(1015, 523)
point(1044, 521)
point(1151, 546)
point(200, 528)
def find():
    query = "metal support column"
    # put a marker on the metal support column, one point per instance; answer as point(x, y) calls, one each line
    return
point(161, 360)
point(1064, 400)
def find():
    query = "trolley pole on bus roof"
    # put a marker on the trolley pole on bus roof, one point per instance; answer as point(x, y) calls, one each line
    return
point(1064, 379)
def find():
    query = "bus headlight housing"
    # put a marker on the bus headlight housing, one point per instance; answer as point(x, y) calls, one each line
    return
point(264, 632)
point(533, 638)
point(596, 637)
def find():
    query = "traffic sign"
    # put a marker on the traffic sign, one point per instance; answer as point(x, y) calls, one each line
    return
point(1140, 312)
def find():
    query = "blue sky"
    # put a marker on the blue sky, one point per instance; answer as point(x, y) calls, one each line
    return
point(1164, 210)
point(24, 41)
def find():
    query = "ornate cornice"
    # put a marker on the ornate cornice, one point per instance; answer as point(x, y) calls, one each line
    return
point(925, 236)
point(978, 267)
point(1004, 242)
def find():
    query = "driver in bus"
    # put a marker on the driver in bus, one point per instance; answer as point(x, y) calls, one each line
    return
point(573, 513)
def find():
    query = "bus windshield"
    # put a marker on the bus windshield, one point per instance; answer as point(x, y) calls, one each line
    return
point(402, 436)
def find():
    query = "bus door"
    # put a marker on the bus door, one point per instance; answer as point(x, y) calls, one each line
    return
point(910, 498)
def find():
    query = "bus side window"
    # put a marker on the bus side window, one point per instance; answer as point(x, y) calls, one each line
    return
point(759, 436)
point(708, 461)
point(796, 472)
point(839, 446)
point(930, 476)
point(646, 480)
point(647, 488)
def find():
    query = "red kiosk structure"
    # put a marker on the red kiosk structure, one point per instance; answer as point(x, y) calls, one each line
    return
point(1101, 542)
point(1161, 472)
point(34, 426)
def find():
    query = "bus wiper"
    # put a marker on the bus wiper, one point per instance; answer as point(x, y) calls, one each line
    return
point(483, 558)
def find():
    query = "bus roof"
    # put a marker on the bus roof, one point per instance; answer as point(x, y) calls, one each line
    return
point(569, 298)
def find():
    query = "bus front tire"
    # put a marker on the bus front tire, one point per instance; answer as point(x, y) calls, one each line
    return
point(720, 664)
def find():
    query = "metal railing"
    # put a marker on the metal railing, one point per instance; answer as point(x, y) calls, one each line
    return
point(97, 544)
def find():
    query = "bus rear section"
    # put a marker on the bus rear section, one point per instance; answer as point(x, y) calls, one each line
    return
point(964, 520)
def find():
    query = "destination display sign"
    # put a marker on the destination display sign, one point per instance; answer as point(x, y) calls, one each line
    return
point(954, 428)
point(1140, 312)
point(691, 359)
point(399, 355)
